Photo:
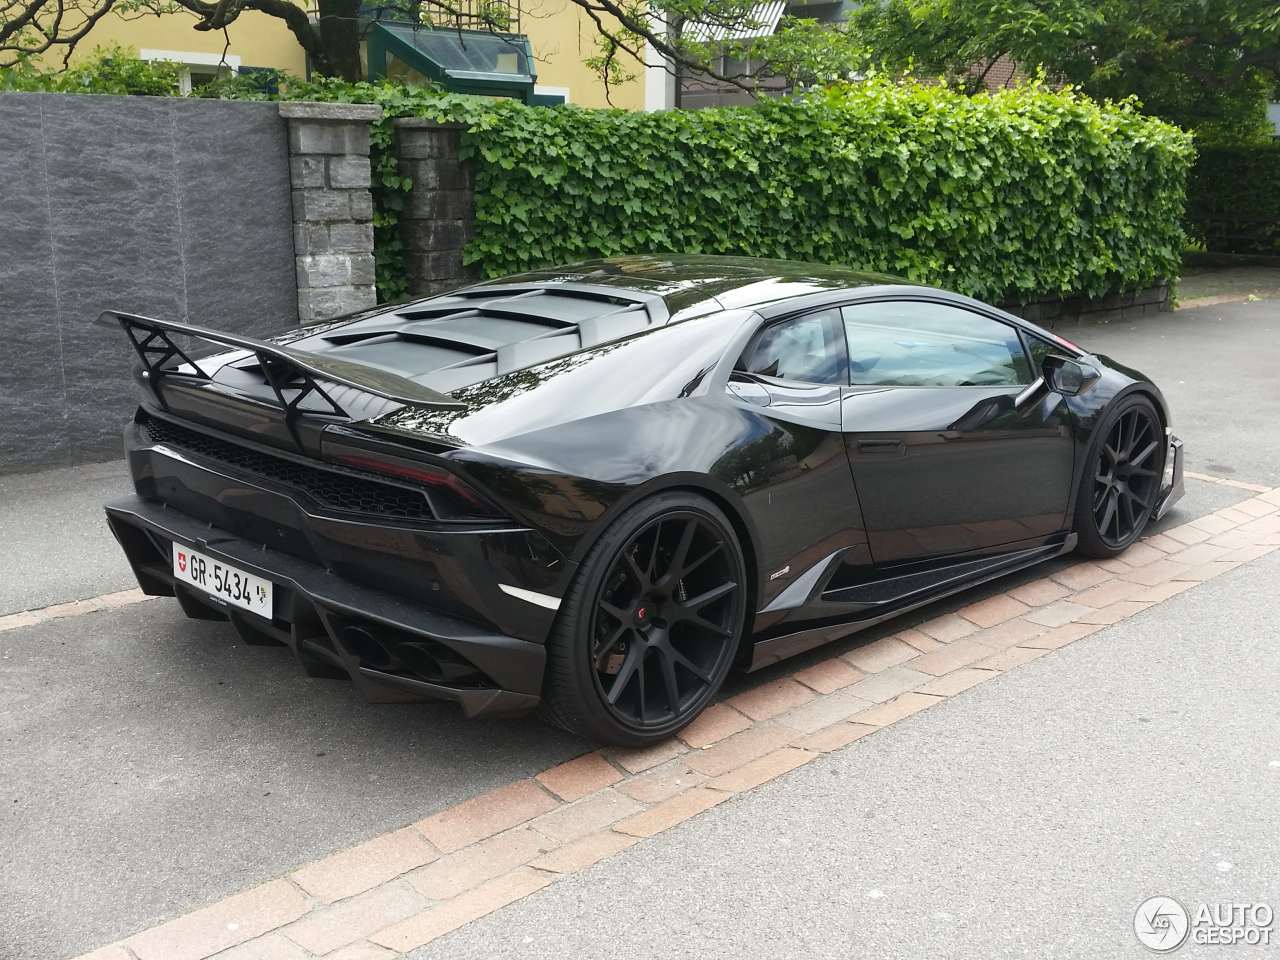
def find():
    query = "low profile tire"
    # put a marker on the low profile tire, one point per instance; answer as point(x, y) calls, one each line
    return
point(651, 624)
point(1121, 480)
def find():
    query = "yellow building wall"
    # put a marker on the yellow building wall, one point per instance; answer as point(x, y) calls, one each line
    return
point(562, 37)
point(257, 39)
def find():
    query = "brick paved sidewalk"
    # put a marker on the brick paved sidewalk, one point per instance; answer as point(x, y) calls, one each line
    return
point(392, 894)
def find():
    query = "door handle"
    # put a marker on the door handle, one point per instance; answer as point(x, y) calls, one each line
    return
point(881, 448)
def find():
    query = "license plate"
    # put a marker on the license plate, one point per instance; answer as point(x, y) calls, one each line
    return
point(220, 580)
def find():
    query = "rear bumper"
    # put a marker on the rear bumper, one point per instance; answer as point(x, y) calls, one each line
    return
point(461, 571)
point(1172, 488)
point(391, 648)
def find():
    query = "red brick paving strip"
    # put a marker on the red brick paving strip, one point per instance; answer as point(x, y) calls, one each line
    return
point(835, 736)
point(413, 932)
point(473, 865)
point(663, 781)
point(1011, 633)
point(485, 815)
point(584, 852)
point(829, 676)
point(947, 628)
point(762, 770)
point(1037, 593)
point(948, 685)
point(580, 776)
point(234, 920)
point(74, 608)
point(1008, 659)
point(712, 725)
point(896, 709)
point(339, 924)
point(355, 870)
point(643, 758)
point(915, 638)
point(667, 814)
point(993, 610)
point(770, 699)
point(884, 653)
point(406, 888)
point(586, 816)
point(112, 952)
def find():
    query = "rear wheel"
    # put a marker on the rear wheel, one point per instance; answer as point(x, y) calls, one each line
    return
point(1118, 493)
point(651, 625)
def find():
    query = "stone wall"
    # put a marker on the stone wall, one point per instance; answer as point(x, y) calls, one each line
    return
point(1055, 312)
point(332, 206)
point(437, 219)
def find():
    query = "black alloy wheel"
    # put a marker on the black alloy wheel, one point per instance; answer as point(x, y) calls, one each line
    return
point(1124, 481)
point(656, 625)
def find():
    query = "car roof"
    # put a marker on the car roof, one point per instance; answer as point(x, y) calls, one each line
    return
point(487, 329)
point(690, 284)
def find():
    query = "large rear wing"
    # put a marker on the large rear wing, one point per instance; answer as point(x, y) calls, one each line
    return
point(292, 374)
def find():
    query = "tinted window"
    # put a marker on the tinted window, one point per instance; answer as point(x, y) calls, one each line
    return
point(1040, 349)
point(810, 349)
point(919, 344)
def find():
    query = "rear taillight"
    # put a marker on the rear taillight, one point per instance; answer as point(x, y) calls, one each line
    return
point(451, 498)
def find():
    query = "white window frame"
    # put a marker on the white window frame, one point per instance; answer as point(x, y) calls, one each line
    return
point(187, 59)
point(552, 92)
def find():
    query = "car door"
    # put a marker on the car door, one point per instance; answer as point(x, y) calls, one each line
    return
point(790, 379)
point(954, 441)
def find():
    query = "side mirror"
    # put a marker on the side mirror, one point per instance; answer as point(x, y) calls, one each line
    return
point(1066, 376)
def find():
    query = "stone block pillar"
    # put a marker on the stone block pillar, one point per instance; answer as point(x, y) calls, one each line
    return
point(332, 206)
point(438, 216)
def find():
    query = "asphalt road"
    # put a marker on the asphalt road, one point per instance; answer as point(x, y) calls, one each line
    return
point(152, 764)
point(1219, 368)
point(56, 545)
point(1026, 818)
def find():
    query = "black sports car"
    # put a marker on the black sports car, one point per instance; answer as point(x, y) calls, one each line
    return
point(599, 487)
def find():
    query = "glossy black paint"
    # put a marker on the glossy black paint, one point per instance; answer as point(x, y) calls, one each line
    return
point(852, 504)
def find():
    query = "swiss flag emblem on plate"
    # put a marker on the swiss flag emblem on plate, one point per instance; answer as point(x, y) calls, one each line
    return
point(182, 561)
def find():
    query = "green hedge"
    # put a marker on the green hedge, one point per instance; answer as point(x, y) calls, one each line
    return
point(1018, 195)
point(1233, 199)
point(1021, 194)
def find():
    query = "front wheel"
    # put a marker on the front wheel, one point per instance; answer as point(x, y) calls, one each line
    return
point(1122, 479)
point(651, 624)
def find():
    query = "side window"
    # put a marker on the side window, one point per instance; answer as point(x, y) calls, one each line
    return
point(913, 343)
point(810, 349)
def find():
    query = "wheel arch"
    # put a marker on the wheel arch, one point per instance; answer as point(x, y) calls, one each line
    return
point(1130, 384)
point(750, 559)
point(725, 499)
point(1153, 394)
point(1107, 412)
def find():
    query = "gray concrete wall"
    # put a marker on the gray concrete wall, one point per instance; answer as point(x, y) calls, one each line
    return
point(170, 208)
